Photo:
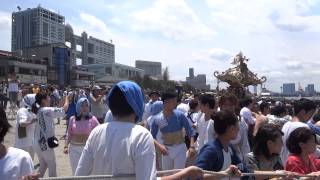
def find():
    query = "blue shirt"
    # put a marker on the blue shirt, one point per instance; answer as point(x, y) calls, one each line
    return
point(210, 157)
point(314, 128)
point(176, 122)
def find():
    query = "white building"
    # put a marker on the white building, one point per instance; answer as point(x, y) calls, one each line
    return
point(109, 73)
point(151, 68)
point(89, 50)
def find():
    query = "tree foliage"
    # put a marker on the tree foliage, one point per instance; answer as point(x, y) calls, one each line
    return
point(166, 74)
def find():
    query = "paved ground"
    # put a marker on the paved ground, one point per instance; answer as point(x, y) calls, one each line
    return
point(63, 163)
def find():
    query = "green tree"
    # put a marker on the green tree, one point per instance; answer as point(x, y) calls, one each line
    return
point(166, 74)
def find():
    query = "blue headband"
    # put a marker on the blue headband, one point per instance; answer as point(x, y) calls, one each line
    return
point(156, 108)
point(28, 100)
point(79, 104)
point(133, 95)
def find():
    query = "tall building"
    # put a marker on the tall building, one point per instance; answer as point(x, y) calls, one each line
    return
point(289, 89)
point(310, 89)
point(191, 73)
point(198, 82)
point(35, 27)
point(89, 50)
point(150, 68)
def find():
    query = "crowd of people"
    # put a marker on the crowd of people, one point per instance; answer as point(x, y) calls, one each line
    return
point(119, 130)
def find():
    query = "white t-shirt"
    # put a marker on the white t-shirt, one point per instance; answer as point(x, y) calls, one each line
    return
point(15, 163)
point(211, 133)
point(241, 143)
point(184, 108)
point(118, 148)
point(226, 161)
point(146, 113)
point(25, 116)
point(246, 114)
point(44, 128)
point(287, 128)
point(109, 117)
point(202, 129)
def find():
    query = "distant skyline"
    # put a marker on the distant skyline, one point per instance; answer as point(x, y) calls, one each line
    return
point(281, 38)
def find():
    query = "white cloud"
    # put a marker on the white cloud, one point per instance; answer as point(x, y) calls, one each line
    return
point(97, 28)
point(265, 16)
point(295, 23)
point(92, 23)
point(294, 65)
point(116, 21)
point(5, 30)
point(220, 54)
point(172, 19)
point(212, 54)
point(243, 16)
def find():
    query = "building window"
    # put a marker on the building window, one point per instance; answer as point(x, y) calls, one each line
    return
point(24, 71)
point(90, 60)
point(45, 29)
point(2, 71)
point(11, 69)
point(109, 70)
point(90, 48)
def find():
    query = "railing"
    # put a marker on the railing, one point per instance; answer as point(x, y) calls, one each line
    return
point(273, 174)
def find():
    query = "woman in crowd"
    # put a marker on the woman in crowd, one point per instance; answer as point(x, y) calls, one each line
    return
point(14, 163)
point(44, 136)
point(302, 144)
point(25, 125)
point(267, 146)
point(80, 126)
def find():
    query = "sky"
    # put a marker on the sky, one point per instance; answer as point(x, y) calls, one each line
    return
point(281, 38)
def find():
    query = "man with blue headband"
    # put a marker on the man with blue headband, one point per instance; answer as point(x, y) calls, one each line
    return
point(121, 147)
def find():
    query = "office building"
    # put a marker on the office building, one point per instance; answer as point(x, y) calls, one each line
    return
point(89, 50)
point(310, 90)
point(198, 82)
point(110, 73)
point(35, 27)
point(289, 89)
point(150, 68)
